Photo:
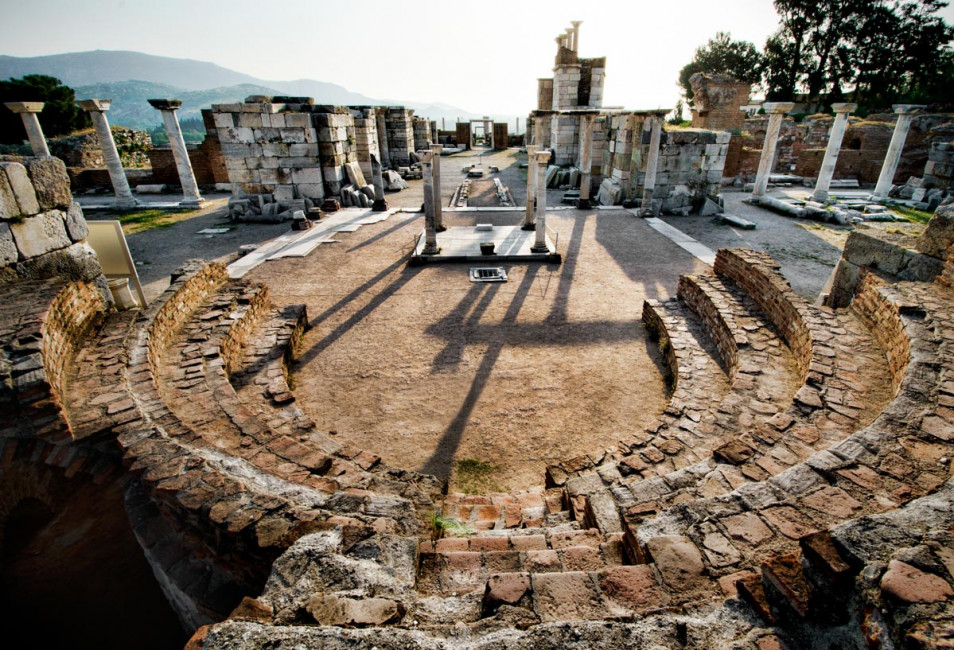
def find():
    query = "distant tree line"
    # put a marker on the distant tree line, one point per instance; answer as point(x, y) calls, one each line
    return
point(872, 52)
point(193, 130)
point(60, 116)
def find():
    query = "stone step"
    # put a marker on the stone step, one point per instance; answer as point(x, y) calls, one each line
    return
point(461, 564)
point(503, 512)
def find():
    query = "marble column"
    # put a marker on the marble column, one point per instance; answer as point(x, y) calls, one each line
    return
point(383, 137)
point(576, 34)
point(430, 229)
point(540, 240)
point(377, 180)
point(180, 153)
point(893, 157)
point(436, 149)
point(29, 113)
point(837, 134)
point(776, 112)
point(635, 128)
point(652, 164)
point(586, 161)
point(528, 219)
point(97, 111)
point(538, 131)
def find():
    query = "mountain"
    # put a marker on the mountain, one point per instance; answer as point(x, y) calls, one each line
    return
point(130, 78)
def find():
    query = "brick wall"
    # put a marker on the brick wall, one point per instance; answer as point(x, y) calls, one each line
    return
point(717, 100)
point(882, 317)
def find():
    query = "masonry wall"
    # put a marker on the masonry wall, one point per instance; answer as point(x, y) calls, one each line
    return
point(422, 134)
point(400, 135)
point(544, 94)
point(717, 100)
point(366, 137)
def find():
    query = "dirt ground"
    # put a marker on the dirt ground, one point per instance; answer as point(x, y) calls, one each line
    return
point(426, 368)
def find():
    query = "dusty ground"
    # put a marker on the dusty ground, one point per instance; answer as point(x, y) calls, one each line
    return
point(426, 368)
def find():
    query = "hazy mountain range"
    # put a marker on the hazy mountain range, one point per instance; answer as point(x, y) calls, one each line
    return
point(130, 78)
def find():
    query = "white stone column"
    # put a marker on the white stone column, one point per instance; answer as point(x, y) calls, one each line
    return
point(776, 112)
point(430, 230)
point(383, 137)
point(436, 149)
point(190, 189)
point(893, 157)
point(528, 219)
point(97, 111)
point(837, 134)
point(576, 34)
point(29, 113)
point(652, 164)
point(586, 161)
point(540, 240)
point(538, 131)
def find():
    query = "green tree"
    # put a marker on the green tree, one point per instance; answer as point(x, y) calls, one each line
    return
point(60, 115)
point(874, 51)
point(739, 59)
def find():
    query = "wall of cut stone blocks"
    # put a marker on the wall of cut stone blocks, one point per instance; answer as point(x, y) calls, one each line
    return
point(564, 138)
point(422, 134)
point(544, 94)
point(566, 82)
point(42, 230)
point(365, 138)
point(399, 124)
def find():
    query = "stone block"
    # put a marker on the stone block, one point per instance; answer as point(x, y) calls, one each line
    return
point(77, 262)
point(22, 188)
point(505, 589)
point(40, 234)
point(631, 588)
point(311, 175)
point(8, 249)
point(9, 209)
point(335, 610)
point(223, 120)
point(566, 597)
point(50, 182)
point(863, 249)
point(678, 560)
point(76, 226)
point(938, 237)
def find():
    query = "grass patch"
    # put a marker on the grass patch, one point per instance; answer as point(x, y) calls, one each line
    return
point(476, 476)
point(915, 216)
point(448, 527)
point(134, 221)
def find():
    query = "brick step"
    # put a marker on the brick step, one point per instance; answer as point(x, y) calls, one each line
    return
point(461, 564)
point(902, 455)
point(504, 512)
point(699, 385)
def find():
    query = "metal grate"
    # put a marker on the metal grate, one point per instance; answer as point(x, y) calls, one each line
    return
point(495, 274)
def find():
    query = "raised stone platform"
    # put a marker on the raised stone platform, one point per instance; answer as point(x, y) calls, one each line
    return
point(462, 244)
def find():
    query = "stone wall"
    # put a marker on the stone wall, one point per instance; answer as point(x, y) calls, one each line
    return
point(82, 150)
point(882, 317)
point(422, 134)
point(42, 231)
point(400, 135)
point(564, 138)
point(717, 100)
point(544, 94)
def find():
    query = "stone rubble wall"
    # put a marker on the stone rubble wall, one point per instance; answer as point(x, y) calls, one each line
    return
point(717, 100)
point(400, 128)
point(42, 230)
point(82, 150)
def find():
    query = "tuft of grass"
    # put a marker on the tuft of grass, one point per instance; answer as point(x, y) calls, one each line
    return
point(916, 216)
point(476, 476)
point(448, 527)
point(134, 221)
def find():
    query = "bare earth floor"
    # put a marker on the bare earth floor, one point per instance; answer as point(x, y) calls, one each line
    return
point(426, 368)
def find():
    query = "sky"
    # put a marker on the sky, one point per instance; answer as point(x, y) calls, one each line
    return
point(483, 56)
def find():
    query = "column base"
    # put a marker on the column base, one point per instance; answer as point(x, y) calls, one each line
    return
point(192, 204)
point(431, 249)
point(531, 227)
point(127, 204)
point(539, 249)
point(584, 204)
point(821, 197)
point(440, 228)
point(379, 205)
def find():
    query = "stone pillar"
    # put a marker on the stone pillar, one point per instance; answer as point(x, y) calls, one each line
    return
point(528, 219)
point(776, 112)
point(652, 163)
point(831, 151)
point(538, 131)
point(190, 189)
point(905, 113)
point(430, 229)
point(97, 111)
point(436, 149)
point(29, 113)
point(377, 180)
point(540, 241)
point(586, 161)
point(576, 34)
point(383, 137)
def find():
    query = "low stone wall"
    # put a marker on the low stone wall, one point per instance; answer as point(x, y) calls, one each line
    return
point(42, 231)
point(758, 275)
point(692, 291)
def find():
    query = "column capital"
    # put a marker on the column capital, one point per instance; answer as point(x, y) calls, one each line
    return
point(94, 105)
point(576, 23)
point(778, 107)
point(437, 149)
point(25, 107)
point(907, 109)
point(844, 108)
point(165, 104)
point(531, 149)
point(427, 157)
point(541, 156)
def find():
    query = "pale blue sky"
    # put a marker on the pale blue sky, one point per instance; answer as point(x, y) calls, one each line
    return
point(483, 55)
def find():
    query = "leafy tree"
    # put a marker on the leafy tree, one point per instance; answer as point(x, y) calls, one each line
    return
point(874, 51)
point(60, 115)
point(721, 54)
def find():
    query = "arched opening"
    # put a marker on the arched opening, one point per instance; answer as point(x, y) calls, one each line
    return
point(73, 575)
